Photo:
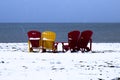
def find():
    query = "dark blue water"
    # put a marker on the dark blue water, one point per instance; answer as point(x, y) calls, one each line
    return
point(17, 32)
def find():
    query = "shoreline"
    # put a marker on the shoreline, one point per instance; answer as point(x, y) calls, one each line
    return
point(96, 47)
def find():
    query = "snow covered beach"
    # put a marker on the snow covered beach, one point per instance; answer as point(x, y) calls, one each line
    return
point(103, 63)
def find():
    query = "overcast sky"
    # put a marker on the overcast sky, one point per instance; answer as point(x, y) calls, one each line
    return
point(59, 11)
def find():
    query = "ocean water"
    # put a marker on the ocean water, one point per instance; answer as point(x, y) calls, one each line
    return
point(17, 32)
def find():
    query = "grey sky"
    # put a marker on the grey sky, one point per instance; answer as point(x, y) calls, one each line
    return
point(59, 10)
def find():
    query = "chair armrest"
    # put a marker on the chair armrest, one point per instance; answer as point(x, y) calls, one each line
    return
point(65, 46)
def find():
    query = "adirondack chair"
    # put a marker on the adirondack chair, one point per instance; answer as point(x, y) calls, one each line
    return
point(34, 38)
point(73, 37)
point(48, 41)
point(84, 39)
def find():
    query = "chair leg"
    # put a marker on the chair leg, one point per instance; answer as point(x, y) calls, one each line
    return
point(90, 44)
point(82, 50)
point(43, 50)
point(87, 49)
point(31, 50)
point(29, 46)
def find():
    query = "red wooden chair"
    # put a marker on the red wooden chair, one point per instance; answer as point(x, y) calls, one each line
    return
point(83, 41)
point(34, 38)
point(73, 37)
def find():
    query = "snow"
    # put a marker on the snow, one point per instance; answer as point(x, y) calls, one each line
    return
point(102, 63)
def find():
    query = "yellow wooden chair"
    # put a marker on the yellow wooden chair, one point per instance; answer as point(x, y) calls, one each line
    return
point(48, 41)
